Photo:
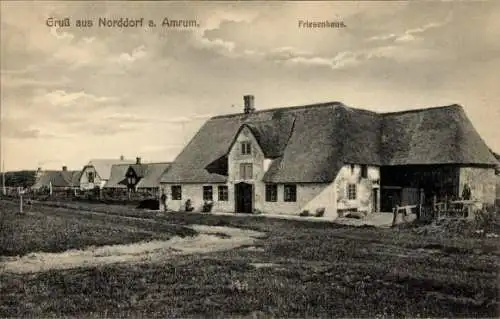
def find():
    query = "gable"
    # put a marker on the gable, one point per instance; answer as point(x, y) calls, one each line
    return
point(117, 177)
point(103, 166)
point(244, 135)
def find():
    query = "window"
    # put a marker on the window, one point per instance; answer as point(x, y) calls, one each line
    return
point(207, 193)
point(90, 176)
point(246, 171)
point(246, 148)
point(351, 191)
point(223, 193)
point(290, 193)
point(131, 181)
point(176, 192)
point(271, 193)
point(364, 171)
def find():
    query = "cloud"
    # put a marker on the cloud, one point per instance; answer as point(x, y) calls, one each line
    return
point(221, 16)
point(137, 54)
point(217, 19)
point(22, 128)
point(15, 81)
point(217, 45)
point(61, 98)
point(128, 118)
point(61, 36)
point(186, 119)
point(411, 34)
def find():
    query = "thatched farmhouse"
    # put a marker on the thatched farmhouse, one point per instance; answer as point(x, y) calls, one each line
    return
point(138, 177)
point(56, 180)
point(98, 171)
point(330, 157)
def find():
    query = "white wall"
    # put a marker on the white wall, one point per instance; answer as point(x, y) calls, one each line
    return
point(310, 196)
point(194, 192)
point(364, 200)
point(482, 182)
point(85, 184)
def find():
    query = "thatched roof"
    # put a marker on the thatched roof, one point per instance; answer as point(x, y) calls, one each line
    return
point(149, 175)
point(117, 177)
point(441, 135)
point(152, 174)
point(103, 166)
point(310, 143)
point(139, 169)
point(57, 179)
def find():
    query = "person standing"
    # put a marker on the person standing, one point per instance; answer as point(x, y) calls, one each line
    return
point(466, 193)
point(163, 200)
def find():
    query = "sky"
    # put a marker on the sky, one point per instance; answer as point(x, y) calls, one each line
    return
point(71, 94)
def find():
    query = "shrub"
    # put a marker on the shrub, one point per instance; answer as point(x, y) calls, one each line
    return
point(320, 212)
point(304, 213)
point(188, 206)
point(207, 207)
point(152, 204)
point(257, 212)
point(355, 215)
point(486, 220)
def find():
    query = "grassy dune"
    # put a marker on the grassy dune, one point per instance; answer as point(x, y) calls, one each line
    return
point(51, 229)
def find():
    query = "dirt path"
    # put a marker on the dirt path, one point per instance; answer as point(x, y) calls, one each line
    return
point(211, 239)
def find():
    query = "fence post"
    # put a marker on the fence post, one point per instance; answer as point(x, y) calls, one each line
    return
point(395, 213)
point(20, 202)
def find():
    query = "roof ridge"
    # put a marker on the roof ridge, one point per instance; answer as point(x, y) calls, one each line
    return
point(296, 107)
point(337, 103)
point(423, 109)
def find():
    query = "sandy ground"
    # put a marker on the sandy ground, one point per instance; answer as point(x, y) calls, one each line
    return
point(382, 220)
point(209, 240)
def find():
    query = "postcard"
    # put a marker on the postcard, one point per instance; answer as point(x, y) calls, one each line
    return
point(249, 159)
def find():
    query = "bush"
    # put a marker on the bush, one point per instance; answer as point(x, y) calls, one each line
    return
point(304, 213)
point(152, 204)
point(486, 220)
point(207, 207)
point(188, 206)
point(320, 212)
point(355, 215)
point(257, 212)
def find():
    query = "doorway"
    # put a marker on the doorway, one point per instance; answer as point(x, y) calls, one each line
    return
point(243, 194)
point(375, 205)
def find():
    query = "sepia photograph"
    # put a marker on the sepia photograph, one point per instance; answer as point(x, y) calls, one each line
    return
point(250, 159)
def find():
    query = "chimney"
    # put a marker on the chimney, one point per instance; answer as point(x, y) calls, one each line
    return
point(122, 157)
point(65, 168)
point(249, 104)
point(138, 160)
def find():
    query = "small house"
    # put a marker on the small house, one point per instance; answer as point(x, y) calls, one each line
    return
point(98, 171)
point(56, 180)
point(138, 177)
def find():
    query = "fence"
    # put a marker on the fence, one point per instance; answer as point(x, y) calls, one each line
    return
point(464, 209)
point(111, 196)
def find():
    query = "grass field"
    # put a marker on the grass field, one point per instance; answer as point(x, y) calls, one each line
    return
point(51, 229)
point(300, 269)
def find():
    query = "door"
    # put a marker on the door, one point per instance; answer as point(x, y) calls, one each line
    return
point(375, 207)
point(243, 198)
